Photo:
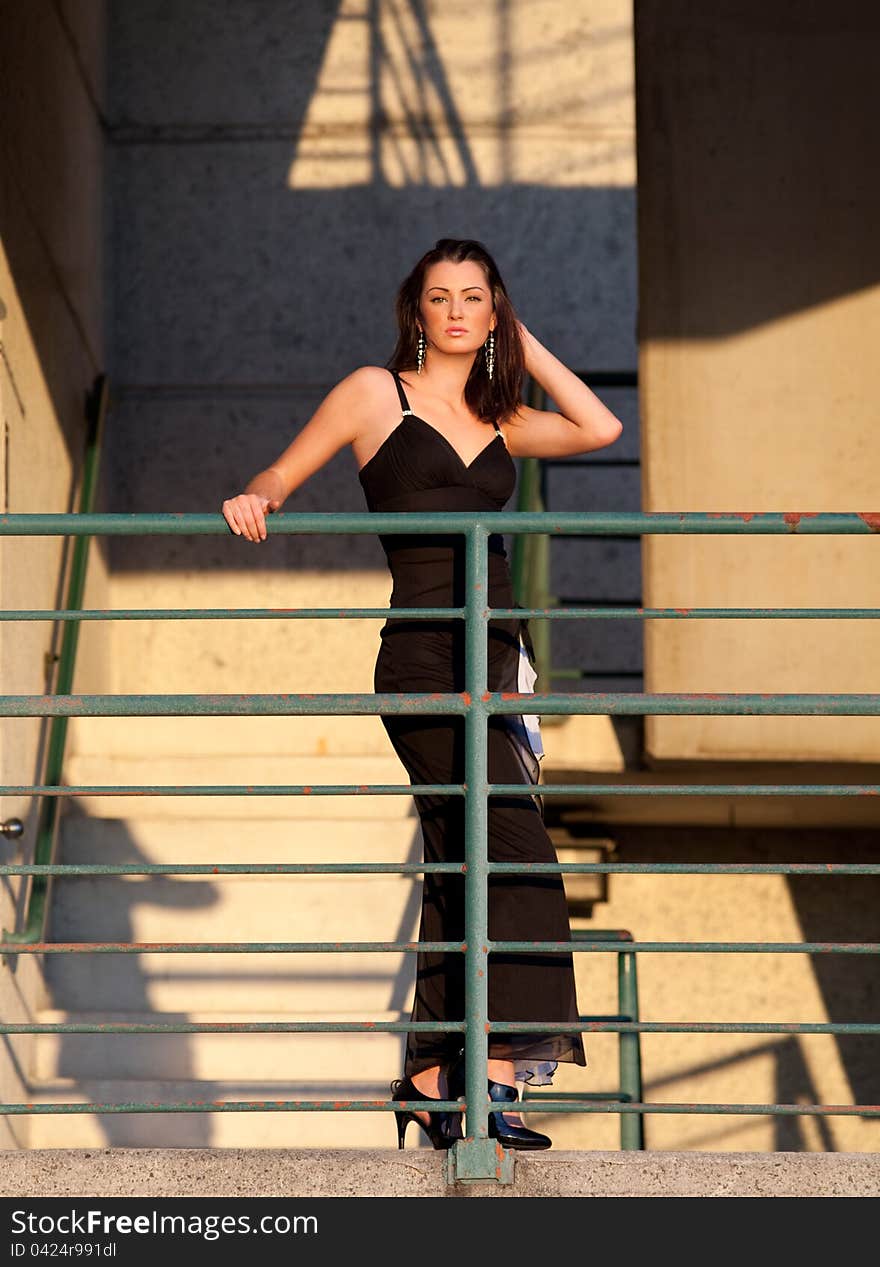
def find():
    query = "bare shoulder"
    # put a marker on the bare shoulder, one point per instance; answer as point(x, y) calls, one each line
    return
point(365, 391)
point(367, 374)
point(370, 379)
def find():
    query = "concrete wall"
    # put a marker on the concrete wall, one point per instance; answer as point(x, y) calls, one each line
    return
point(51, 326)
point(759, 316)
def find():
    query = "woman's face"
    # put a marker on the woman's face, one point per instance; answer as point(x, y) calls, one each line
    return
point(455, 309)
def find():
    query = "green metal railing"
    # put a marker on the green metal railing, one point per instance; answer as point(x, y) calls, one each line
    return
point(629, 1053)
point(34, 924)
point(476, 1156)
point(530, 562)
point(530, 557)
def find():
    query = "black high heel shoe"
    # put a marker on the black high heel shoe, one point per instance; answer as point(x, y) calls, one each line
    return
point(438, 1127)
point(508, 1135)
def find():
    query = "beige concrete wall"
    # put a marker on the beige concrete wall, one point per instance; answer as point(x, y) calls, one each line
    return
point(51, 326)
point(759, 316)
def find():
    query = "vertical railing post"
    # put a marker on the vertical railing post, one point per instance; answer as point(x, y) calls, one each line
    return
point(632, 1126)
point(476, 829)
point(477, 1156)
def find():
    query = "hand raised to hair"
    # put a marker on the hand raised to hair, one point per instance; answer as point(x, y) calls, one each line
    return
point(528, 342)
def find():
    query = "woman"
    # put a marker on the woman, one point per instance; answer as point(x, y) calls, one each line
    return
point(437, 430)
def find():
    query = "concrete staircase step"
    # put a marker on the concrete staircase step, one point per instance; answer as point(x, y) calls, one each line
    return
point(285, 908)
point(288, 737)
point(176, 839)
point(594, 742)
point(238, 769)
point(223, 1057)
point(282, 909)
point(255, 909)
point(245, 983)
point(258, 1129)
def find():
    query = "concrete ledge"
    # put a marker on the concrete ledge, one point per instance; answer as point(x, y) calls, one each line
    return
point(123, 1172)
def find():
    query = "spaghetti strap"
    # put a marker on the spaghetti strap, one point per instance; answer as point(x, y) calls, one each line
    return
point(404, 403)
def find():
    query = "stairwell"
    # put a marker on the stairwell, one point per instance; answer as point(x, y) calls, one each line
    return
point(218, 988)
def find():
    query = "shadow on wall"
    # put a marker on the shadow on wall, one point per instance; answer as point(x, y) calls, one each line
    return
point(792, 1082)
point(789, 169)
point(110, 1068)
point(828, 909)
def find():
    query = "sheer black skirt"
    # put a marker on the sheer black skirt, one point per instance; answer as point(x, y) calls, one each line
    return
point(428, 656)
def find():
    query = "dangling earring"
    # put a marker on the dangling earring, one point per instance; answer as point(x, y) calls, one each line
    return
point(420, 352)
point(489, 346)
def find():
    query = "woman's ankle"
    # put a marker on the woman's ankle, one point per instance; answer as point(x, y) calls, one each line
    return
point(503, 1071)
point(428, 1081)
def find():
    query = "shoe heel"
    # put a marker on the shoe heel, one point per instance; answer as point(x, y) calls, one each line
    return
point(436, 1128)
point(403, 1120)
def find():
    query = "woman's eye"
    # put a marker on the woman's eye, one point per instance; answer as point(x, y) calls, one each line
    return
point(477, 297)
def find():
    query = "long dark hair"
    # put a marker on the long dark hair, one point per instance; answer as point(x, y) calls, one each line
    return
point(490, 400)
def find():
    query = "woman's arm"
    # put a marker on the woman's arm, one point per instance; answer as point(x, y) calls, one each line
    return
point(582, 424)
point(336, 422)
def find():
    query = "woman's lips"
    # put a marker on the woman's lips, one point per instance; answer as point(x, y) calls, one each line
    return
point(456, 330)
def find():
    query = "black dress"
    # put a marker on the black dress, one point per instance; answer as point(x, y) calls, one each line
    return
point(418, 469)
